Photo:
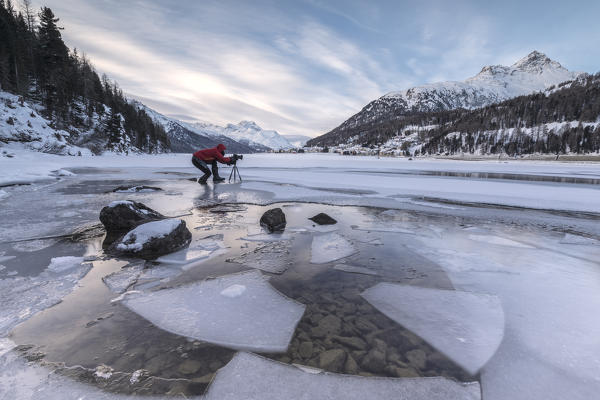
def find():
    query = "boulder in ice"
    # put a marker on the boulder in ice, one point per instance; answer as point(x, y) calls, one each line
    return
point(466, 327)
point(155, 239)
point(273, 220)
point(323, 219)
point(125, 215)
point(240, 311)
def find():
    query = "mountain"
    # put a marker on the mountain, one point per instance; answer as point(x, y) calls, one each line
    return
point(533, 73)
point(564, 119)
point(297, 140)
point(246, 132)
point(187, 138)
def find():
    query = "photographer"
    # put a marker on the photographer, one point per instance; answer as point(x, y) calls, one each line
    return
point(202, 158)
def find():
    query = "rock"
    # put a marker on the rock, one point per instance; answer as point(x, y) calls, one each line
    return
point(332, 360)
point(351, 367)
point(355, 343)
point(401, 372)
point(154, 239)
point(205, 379)
point(189, 367)
point(323, 219)
point(364, 325)
point(374, 361)
point(273, 220)
point(417, 358)
point(121, 216)
point(305, 349)
point(327, 325)
point(379, 345)
point(135, 189)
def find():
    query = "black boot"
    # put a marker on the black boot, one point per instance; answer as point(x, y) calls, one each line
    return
point(215, 172)
point(203, 179)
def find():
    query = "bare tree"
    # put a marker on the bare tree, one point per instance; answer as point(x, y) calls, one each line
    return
point(29, 14)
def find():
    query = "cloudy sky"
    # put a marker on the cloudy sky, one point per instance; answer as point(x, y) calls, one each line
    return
point(304, 66)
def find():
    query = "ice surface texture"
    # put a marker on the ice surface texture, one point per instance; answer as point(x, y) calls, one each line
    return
point(550, 299)
point(250, 377)
point(257, 318)
point(466, 327)
point(330, 247)
point(22, 297)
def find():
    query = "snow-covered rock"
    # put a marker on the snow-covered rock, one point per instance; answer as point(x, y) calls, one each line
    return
point(154, 239)
point(21, 123)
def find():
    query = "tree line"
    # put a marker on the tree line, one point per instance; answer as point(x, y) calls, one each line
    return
point(36, 64)
point(515, 126)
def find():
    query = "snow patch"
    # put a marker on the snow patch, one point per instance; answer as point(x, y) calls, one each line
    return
point(233, 291)
point(135, 239)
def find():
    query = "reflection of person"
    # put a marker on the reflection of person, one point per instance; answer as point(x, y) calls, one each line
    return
point(202, 158)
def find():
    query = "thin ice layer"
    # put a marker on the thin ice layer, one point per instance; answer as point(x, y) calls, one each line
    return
point(330, 247)
point(550, 300)
point(22, 297)
point(258, 318)
point(249, 377)
point(20, 380)
point(466, 327)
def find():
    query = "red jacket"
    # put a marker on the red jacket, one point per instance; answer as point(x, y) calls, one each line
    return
point(209, 155)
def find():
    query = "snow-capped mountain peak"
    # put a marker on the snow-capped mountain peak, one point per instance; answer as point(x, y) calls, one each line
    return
point(495, 83)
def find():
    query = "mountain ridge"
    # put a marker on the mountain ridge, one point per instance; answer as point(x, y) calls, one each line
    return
point(532, 73)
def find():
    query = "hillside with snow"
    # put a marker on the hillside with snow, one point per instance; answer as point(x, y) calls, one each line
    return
point(297, 140)
point(533, 73)
point(246, 132)
point(245, 137)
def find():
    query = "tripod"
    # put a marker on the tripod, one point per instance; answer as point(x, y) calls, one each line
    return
point(235, 173)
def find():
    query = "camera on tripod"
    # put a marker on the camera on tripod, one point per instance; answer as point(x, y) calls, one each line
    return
point(235, 173)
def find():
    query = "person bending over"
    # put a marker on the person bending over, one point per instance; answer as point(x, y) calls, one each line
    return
point(202, 158)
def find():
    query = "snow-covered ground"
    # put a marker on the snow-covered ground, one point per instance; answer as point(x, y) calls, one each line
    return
point(542, 185)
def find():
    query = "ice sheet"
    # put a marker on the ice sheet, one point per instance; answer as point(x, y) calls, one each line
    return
point(550, 300)
point(259, 318)
point(466, 327)
point(121, 280)
point(22, 297)
point(498, 240)
point(250, 377)
point(271, 257)
point(330, 247)
point(355, 269)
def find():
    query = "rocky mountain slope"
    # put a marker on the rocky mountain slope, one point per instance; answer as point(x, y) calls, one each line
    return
point(187, 138)
point(245, 132)
point(533, 73)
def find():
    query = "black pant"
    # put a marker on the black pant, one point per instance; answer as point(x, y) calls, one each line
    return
point(202, 166)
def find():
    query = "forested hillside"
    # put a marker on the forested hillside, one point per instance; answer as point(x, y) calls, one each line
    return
point(563, 119)
point(37, 66)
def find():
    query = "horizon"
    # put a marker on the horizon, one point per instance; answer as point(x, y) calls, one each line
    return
point(303, 68)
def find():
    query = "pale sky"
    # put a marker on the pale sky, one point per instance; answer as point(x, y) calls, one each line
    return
point(305, 66)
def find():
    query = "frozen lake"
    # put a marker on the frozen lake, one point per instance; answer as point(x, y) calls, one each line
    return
point(441, 278)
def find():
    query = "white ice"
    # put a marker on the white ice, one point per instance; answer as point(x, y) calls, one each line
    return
point(61, 264)
point(136, 238)
point(550, 300)
point(330, 247)
point(267, 237)
point(121, 280)
point(22, 297)
point(251, 377)
point(466, 327)
point(498, 240)
point(355, 269)
point(258, 318)
point(315, 175)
